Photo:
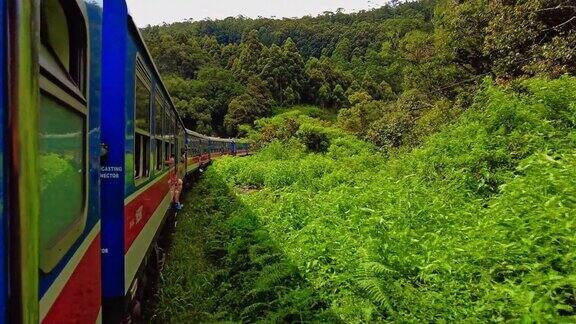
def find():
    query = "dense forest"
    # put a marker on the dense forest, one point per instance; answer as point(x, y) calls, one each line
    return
point(412, 163)
point(392, 75)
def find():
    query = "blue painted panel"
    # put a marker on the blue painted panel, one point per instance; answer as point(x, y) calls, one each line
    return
point(114, 32)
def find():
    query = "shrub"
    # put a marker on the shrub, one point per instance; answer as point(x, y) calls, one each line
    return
point(314, 138)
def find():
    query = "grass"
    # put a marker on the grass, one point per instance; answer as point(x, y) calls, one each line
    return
point(225, 267)
point(477, 224)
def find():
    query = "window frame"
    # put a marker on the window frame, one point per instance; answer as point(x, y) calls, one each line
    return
point(56, 83)
point(158, 136)
point(171, 132)
point(51, 65)
point(142, 74)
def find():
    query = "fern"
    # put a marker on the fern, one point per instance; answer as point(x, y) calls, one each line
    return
point(254, 311)
point(376, 269)
point(274, 274)
point(377, 294)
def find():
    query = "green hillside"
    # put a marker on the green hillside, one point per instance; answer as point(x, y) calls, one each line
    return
point(409, 58)
point(474, 222)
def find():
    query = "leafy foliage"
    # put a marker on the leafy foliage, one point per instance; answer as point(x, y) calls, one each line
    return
point(476, 224)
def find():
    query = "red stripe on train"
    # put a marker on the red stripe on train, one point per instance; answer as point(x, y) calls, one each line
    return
point(138, 211)
point(79, 301)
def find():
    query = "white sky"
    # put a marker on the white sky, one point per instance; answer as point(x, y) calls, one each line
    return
point(158, 11)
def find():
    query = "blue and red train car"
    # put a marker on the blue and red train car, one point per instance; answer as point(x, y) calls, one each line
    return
point(89, 139)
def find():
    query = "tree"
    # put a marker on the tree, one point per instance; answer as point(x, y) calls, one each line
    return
point(509, 38)
point(462, 28)
point(323, 73)
point(218, 86)
point(291, 97)
point(358, 97)
point(283, 68)
point(358, 118)
point(343, 52)
point(386, 91)
point(325, 95)
point(371, 87)
point(532, 37)
point(246, 108)
point(247, 63)
point(339, 97)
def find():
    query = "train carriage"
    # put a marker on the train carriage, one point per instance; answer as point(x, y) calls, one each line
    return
point(242, 148)
point(90, 142)
point(197, 146)
point(222, 147)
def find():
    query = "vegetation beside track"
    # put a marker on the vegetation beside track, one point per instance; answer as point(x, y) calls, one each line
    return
point(477, 223)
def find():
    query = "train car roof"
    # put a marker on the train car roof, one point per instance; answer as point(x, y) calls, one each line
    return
point(219, 139)
point(196, 134)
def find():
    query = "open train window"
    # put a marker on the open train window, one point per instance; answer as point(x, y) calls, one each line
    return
point(142, 129)
point(62, 128)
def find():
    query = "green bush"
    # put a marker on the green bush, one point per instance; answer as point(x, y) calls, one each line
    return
point(314, 138)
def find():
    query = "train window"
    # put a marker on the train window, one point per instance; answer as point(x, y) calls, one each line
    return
point(167, 129)
point(62, 128)
point(64, 41)
point(172, 134)
point(159, 113)
point(56, 34)
point(137, 154)
point(176, 142)
point(142, 123)
point(166, 151)
point(159, 155)
point(142, 106)
point(62, 175)
point(142, 156)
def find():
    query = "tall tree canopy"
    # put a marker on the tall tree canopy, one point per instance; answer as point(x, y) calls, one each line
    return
point(227, 72)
